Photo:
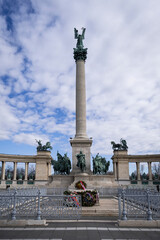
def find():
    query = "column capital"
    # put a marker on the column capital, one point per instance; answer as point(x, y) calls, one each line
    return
point(80, 54)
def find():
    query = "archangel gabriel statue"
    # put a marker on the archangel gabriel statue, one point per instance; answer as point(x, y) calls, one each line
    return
point(80, 53)
point(79, 38)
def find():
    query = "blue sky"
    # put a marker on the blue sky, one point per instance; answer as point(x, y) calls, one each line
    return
point(37, 74)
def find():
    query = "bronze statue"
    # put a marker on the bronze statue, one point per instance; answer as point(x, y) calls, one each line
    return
point(80, 53)
point(62, 165)
point(100, 165)
point(122, 146)
point(79, 38)
point(45, 147)
point(81, 161)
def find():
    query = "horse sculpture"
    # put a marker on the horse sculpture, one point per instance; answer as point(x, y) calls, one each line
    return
point(62, 165)
point(100, 165)
point(120, 146)
point(45, 147)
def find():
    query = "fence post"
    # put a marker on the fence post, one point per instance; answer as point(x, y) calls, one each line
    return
point(119, 205)
point(39, 210)
point(13, 215)
point(124, 215)
point(149, 212)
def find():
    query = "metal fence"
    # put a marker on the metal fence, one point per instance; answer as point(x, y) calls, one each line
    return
point(15, 205)
point(139, 204)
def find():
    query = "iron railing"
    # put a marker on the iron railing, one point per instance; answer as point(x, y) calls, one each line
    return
point(15, 205)
point(138, 204)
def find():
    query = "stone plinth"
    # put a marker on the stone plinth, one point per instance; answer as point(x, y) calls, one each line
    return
point(94, 181)
point(121, 166)
point(43, 161)
point(78, 145)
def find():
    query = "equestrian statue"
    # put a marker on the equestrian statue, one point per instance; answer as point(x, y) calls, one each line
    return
point(100, 165)
point(62, 165)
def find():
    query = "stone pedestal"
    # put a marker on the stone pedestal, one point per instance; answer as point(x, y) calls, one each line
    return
point(120, 160)
point(43, 158)
point(84, 146)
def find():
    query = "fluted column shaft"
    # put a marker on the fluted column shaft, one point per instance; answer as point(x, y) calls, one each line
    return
point(80, 100)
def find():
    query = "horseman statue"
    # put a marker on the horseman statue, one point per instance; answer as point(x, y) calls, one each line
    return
point(62, 165)
point(45, 147)
point(81, 161)
point(100, 165)
point(122, 146)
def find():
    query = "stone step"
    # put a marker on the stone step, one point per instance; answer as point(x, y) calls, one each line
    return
point(107, 207)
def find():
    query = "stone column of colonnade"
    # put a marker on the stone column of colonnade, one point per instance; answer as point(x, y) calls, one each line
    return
point(3, 170)
point(81, 142)
point(15, 171)
point(138, 171)
point(26, 171)
point(150, 171)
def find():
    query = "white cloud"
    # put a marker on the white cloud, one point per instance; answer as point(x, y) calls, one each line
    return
point(122, 72)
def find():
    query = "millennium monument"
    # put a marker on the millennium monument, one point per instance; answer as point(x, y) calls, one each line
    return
point(67, 176)
point(81, 143)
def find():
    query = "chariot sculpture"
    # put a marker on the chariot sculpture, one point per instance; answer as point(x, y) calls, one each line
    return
point(122, 146)
point(45, 147)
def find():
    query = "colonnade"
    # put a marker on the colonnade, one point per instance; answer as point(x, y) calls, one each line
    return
point(121, 161)
point(42, 170)
point(149, 171)
point(14, 171)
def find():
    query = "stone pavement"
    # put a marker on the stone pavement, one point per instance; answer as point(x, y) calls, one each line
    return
point(85, 229)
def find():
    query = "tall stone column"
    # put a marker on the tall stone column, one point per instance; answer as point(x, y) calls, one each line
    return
point(80, 100)
point(15, 171)
point(81, 142)
point(3, 170)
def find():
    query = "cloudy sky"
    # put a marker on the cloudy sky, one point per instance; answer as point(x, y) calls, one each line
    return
point(37, 74)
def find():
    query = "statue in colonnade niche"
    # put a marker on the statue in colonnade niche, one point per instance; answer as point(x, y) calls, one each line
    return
point(122, 146)
point(45, 147)
point(62, 165)
point(100, 165)
point(81, 161)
